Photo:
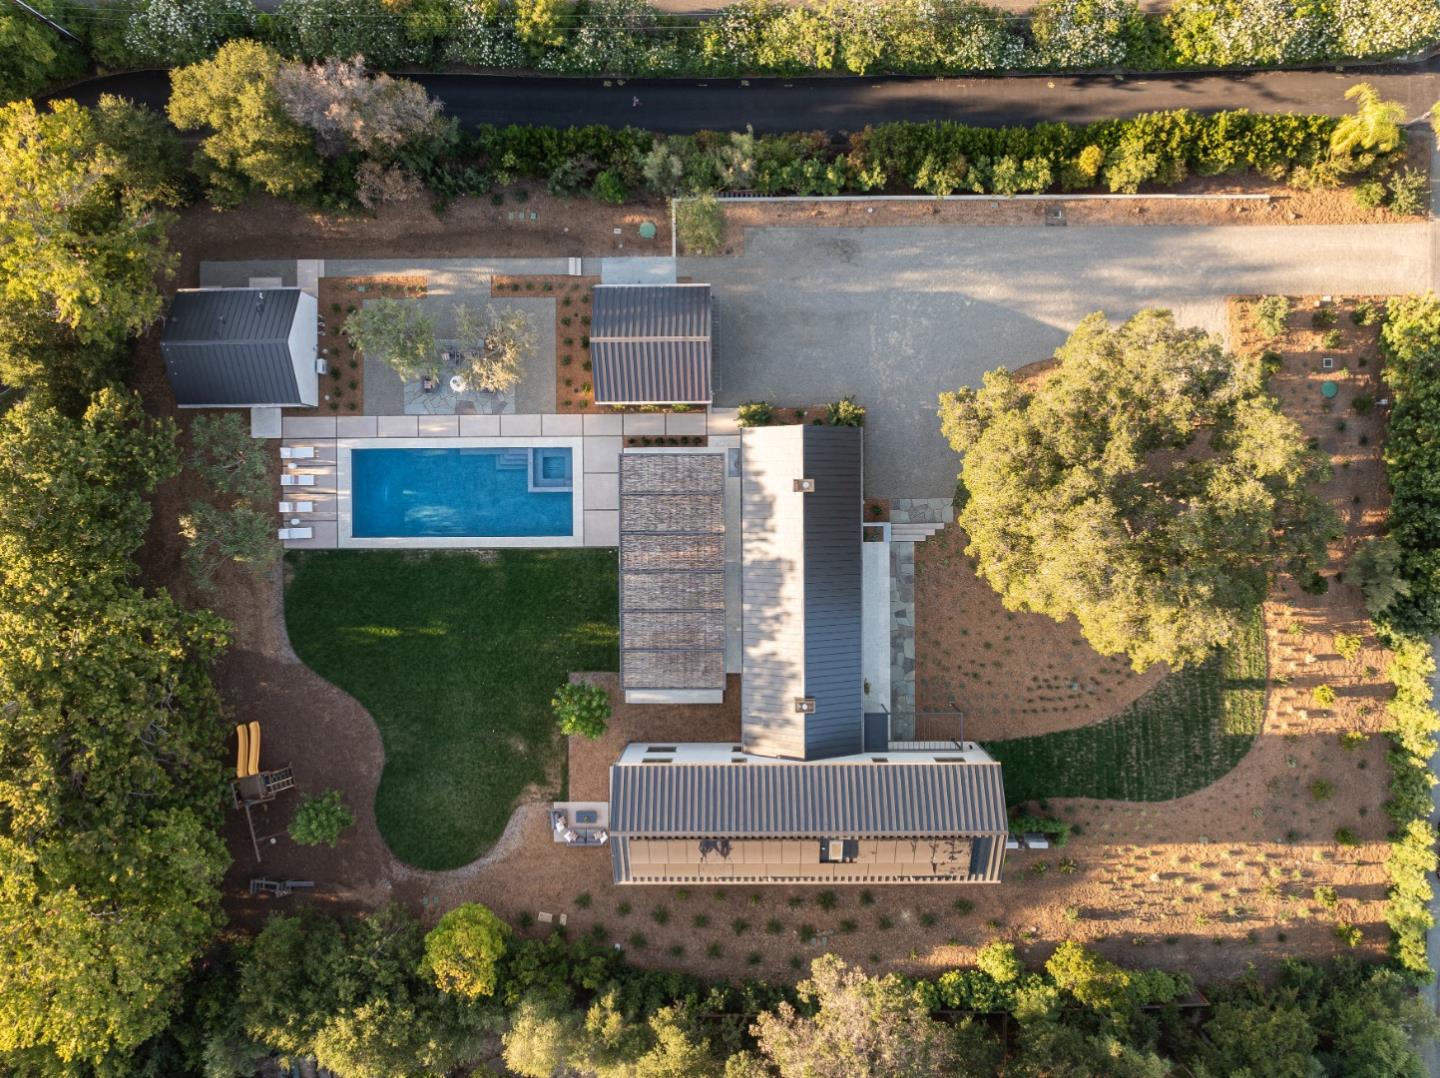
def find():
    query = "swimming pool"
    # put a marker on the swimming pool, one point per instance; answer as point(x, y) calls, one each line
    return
point(500, 492)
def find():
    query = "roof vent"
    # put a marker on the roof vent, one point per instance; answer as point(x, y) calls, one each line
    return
point(804, 486)
point(805, 705)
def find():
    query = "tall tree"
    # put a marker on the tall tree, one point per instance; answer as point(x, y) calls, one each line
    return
point(349, 109)
point(82, 242)
point(253, 144)
point(1147, 486)
point(860, 1026)
point(110, 773)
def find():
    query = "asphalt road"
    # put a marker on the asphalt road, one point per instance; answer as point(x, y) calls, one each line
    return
point(847, 104)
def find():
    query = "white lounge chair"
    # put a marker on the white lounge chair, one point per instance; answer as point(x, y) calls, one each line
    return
point(294, 480)
point(297, 452)
point(297, 533)
point(297, 507)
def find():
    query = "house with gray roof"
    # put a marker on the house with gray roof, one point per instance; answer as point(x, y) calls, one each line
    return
point(650, 343)
point(242, 348)
point(805, 796)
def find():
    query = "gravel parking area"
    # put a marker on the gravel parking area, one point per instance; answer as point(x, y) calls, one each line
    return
point(896, 315)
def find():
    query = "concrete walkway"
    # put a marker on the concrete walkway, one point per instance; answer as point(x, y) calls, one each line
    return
point(896, 315)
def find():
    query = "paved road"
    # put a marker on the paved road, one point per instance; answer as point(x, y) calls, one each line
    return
point(894, 316)
point(847, 104)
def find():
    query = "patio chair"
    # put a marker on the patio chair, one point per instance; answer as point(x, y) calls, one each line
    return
point(286, 508)
point(291, 479)
point(427, 384)
point(297, 533)
point(297, 452)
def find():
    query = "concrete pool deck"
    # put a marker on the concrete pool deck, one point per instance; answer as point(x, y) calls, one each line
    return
point(598, 440)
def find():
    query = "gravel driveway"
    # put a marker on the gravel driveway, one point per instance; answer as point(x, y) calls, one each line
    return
point(895, 315)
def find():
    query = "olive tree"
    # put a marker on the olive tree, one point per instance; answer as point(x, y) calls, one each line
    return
point(397, 332)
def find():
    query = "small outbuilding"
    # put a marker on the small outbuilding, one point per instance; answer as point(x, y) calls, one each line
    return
point(242, 348)
point(650, 344)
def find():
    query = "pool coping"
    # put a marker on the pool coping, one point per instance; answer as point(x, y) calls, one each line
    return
point(344, 518)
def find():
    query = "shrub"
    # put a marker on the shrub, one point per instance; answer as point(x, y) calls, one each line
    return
point(176, 32)
point(700, 225)
point(1326, 896)
point(1364, 403)
point(827, 900)
point(1409, 192)
point(1347, 645)
point(1057, 830)
point(1272, 315)
point(582, 709)
point(845, 413)
point(1324, 696)
point(1345, 837)
point(1370, 194)
point(755, 414)
point(1321, 790)
point(320, 819)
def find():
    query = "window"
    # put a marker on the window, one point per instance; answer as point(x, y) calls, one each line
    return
point(659, 748)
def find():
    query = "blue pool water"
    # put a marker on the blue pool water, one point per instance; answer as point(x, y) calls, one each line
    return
point(454, 492)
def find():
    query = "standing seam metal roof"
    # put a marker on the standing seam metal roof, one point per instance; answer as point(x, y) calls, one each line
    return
point(839, 800)
point(231, 346)
point(651, 343)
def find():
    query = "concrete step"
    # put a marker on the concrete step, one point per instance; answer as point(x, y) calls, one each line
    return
point(913, 533)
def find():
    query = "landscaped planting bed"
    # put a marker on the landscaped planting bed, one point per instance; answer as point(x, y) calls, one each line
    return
point(455, 654)
point(1182, 735)
point(342, 389)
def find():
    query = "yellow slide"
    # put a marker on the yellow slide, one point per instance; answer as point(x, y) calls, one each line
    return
point(254, 759)
point(242, 753)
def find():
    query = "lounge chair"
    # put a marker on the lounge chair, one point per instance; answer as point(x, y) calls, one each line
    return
point(297, 533)
point(297, 507)
point(297, 452)
point(290, 479)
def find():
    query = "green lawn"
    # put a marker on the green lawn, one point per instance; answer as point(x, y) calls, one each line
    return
point(456, 655)
point(1178, 738)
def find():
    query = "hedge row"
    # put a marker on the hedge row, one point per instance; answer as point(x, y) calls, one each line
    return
point(629, 37)
point(1410, 340)
point(1159, 149)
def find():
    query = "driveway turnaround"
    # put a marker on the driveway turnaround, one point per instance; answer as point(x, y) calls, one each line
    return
point(896, 315)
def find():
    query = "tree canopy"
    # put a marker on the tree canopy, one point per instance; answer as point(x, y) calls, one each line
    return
point(397, 332)
point(82, 240)
point(255, 145)
point(1147, 486)
point(463, 950)
point(110, 770)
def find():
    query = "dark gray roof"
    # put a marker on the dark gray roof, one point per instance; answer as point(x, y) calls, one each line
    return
point(672, 570)
point(801, 581)
point(230, 346)
point(651, 343)
point(798, 799)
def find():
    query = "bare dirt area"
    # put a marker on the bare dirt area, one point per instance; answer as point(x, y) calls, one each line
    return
point(1277, 206)
point(266, 228)
point(573, 300)
point(1011, 674)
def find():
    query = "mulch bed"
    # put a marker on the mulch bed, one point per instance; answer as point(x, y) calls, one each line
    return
point(343, 389)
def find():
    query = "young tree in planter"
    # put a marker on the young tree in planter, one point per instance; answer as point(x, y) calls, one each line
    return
point(464, 949)
point(582, 709)
point(397, 332)
point(494, 346)
point(320, 819)
point(1147, 486)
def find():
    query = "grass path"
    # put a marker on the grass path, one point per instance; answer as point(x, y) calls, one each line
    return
point(456, 655)
point(1181, 736)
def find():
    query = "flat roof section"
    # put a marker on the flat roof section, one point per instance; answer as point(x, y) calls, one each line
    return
point(672, 576)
